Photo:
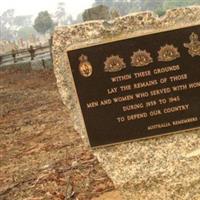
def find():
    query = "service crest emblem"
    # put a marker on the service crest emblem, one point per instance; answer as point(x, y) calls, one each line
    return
point(85, 68)
point(114, 63)
point(141, 58)
point(168, 53)
point(194, 45)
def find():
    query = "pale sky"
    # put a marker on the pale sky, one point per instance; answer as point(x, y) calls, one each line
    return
point(32, 7)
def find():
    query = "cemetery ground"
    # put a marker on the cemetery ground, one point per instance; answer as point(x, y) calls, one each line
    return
point(41, 155)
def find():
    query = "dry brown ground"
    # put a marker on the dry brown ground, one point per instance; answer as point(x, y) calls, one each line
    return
point(41, 156)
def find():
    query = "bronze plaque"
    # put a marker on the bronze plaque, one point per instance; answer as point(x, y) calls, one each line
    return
point(139, 87)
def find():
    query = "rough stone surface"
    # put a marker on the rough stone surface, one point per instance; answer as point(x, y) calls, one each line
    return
point(164, 168)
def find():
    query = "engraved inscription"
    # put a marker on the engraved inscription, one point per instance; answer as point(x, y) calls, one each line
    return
point(151, 89)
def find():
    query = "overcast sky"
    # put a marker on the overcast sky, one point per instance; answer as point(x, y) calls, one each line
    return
point(32, 7)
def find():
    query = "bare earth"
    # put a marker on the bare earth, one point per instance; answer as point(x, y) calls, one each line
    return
point(41, 156)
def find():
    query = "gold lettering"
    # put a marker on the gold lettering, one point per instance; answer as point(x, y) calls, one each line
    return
point(142, 74)
point(194, 85)
point(160, 91)
point(151, 104)
point(145, 84)
point(155, 113)
point(166, 69)
point(112, 90)
point(106, 102)
point(142, 95)
point(125, 88)
point(159, 126)
point(137, 116)
point(93, 104)
point(185, 121)
point(121, 78)
point(179, 88)
point(176, 109)
point(133, 107)
point(123, 98)
point(174, 99)
point(178, 77)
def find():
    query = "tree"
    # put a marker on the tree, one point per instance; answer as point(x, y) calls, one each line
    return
point(127, 6)
point(43, 22)
point(108, 3)
point(7, 21)
point(169, 4)
point(7, 18)
point(68, 20)
point(122, 6)
point(22, 21)
point(96, 13)
point(151, 4)
point(26, 32)
point(11, 24)
point(60, 13)
point(78, 19)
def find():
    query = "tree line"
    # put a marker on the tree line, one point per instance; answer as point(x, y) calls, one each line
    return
point(16, 27)
point(24, 26)
point(159, 6)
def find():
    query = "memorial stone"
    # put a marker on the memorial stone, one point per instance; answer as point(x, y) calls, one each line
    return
point(100, 67)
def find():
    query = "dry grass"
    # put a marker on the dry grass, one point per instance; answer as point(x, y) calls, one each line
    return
point(41, 156)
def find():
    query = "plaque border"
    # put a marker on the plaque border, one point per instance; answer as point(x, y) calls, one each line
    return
point(110, 40)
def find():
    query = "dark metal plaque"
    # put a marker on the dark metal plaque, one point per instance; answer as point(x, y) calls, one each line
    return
point(139, 87)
